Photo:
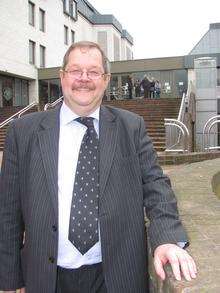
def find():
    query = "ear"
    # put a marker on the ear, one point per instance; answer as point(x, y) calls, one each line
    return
point(61, 74)
point(107, 78)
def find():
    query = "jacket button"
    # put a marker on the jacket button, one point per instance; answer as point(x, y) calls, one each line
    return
point(51, 259)
point(54, 228)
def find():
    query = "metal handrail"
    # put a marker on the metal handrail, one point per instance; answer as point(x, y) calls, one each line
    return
point(27, 108)
point(51, 105)
point(178, 123)
point(183, 130)
point(186, 103)
point(182, 109)
point(181, 124)
point(206, 132)
point(186, 99)
point(178, 140)
point(18, 114)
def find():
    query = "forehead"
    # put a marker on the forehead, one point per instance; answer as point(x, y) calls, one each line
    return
point(85, 56)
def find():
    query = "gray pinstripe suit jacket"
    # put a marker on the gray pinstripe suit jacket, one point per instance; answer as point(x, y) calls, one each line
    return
point(129, 179)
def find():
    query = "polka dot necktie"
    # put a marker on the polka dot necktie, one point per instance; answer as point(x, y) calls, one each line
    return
point(83, 225)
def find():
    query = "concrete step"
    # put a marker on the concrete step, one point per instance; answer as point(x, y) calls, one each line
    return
point(153, 113)
point(5, 113)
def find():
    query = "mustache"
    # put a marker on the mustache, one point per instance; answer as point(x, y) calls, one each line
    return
point(80, 85)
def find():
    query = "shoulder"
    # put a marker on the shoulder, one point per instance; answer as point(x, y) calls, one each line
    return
point(22, 132)
point(31, 123)
point(28, 122)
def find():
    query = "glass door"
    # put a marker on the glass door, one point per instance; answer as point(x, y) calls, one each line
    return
point(7, 91)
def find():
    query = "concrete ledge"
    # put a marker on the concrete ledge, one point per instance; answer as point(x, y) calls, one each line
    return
point(200, 212)
point(177, 158)
point(216, 184)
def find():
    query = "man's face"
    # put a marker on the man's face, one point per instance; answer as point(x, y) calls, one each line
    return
point(83, 94)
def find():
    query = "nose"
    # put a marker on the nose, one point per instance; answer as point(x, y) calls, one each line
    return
point(84, 76)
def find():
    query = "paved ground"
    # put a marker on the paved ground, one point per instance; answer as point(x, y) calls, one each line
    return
point(200, 212)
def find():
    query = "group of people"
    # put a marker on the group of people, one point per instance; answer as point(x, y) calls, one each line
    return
point(74, 184)
point(150, 87)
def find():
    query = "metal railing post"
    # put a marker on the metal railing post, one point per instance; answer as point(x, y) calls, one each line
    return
point(207, 131)
point(18, 114)
point(51, 105)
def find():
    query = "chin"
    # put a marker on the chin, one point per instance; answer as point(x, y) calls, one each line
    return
point(85, 99)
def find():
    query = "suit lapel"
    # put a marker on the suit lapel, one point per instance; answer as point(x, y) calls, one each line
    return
point(108, 135)
point(49, 143)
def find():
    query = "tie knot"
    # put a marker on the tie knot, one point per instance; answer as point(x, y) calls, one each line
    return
point(87, 121)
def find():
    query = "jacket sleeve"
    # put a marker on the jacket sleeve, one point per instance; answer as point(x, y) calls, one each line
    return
point(159, 199)
point(11, 223)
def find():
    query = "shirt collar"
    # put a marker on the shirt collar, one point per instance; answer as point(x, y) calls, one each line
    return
point(67, 115)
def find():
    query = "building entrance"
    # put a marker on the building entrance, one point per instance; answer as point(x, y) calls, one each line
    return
point(13, 91)
point(7, 91)
point(49, 90)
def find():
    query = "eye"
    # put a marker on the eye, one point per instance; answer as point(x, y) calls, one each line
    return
point(75, 72)
point(94, 73)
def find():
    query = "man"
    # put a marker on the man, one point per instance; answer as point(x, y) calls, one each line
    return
point(145, 84)
point(130, 87)
point(43, 191)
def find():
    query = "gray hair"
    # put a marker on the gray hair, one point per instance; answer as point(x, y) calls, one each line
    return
point(89, 45)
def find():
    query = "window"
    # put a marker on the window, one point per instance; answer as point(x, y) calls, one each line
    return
point(31, 8)
point(72, 36)
point(31, 52)
point(49, 90)
point(70, 8)
point(218, 76)
point(42, 20)
point(66, 33)
point(21, 97)
point(42, 56)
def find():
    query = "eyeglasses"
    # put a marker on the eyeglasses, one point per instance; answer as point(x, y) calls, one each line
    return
point(77, 74)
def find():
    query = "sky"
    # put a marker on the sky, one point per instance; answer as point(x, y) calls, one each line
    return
point(162, 28)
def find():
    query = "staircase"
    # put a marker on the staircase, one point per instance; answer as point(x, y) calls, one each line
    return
point(153, 111)
point(5, 113)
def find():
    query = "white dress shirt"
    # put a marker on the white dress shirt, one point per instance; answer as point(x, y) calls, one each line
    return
point(71, 135)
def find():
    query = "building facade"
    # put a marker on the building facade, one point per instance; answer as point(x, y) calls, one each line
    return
point(36, 34)
point(174, 73)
